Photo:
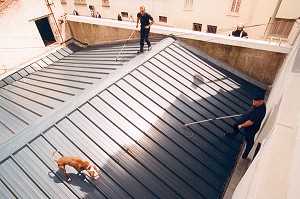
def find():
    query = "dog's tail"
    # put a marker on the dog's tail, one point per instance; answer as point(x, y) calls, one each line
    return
point(53, 155)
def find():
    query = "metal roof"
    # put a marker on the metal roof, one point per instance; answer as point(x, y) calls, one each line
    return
point(130, 126)
point(41, 87)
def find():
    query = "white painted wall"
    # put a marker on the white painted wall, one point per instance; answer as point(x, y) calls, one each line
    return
point(274, 173)
point(19, 37)
point(213, 12)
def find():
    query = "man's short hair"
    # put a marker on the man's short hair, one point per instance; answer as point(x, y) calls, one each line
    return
point(259, 96)
point(241, 25)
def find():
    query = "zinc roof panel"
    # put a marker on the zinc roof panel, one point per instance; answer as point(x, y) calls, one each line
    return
point(11, 121)
point(178, 106)
point(57, 55)
point(60, 96)
point(204, 74)
point(5, 132)
point(16, 76)
point(67, 77)
point(64, 82)
point(22, 112)
point(2, 83)
point(71, 48)
point(80, 72)
point(4, 191)
point(40, 175)
point(183, 140)
point(102, 65)
point(53, 85)
point(33, 95)
point(43, 150)
point(8, 80)
point(52, 57)
point(132, 130)
point(125, 159)
point(63, 52)
point(18, 181)
point(47, 61)
point(168, 163)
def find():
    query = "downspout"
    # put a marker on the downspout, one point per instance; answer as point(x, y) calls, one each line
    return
point(51, 13)
point(272, 19)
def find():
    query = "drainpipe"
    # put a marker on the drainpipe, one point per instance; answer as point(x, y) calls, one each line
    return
point(272, 19)
point(51, 13)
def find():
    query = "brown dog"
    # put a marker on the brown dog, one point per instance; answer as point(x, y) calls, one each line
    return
point(78, 164)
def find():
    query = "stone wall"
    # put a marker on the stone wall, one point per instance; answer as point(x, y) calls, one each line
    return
point(95, 34)
point(261, 65)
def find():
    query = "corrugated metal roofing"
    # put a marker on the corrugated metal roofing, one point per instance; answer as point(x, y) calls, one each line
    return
point(130, 126)
point(36, 90)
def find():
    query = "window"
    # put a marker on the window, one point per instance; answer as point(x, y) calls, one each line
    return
point(211, 29)
point(79, 2)
point(281, 27)
point(163, 19)
point(197, 26)
point(188, 4)
point(63, 1)
point(124, 14)
point(105, 3)
point(235, 6)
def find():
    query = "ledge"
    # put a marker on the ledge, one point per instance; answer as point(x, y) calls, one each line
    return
point(189, 34)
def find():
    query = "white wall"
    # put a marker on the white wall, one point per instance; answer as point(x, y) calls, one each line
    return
point(20, 39)
point(213, 12)
point(274, 173)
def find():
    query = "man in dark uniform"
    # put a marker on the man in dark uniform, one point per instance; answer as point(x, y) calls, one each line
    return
point(239, 32)
point(251, 122)
point(146, 21)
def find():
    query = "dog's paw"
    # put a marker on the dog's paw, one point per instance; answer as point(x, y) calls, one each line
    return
point(69, 180)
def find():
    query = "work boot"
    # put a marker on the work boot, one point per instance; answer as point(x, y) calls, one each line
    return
point(244, 156)
point(141, 50)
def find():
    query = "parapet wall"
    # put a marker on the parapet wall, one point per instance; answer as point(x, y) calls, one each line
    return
point(259, 64)
point(259, 60)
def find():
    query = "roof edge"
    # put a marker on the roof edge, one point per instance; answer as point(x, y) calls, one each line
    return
point(13, 144)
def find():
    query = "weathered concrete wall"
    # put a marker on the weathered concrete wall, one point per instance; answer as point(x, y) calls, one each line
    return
point(259, 64)
point(95, 34)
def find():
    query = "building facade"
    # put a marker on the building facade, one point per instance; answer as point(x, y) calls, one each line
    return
point(217, 16)
point(23, 33)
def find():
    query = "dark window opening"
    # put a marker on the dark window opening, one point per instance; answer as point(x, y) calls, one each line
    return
point(45, 31)
point(105, 3)
point(163, 19)
point(124, 14)
point(235, 6)
point(211, 29)
point(197, 26)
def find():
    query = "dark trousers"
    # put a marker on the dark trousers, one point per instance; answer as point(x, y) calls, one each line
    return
point(249, 135)
point(144, 37)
